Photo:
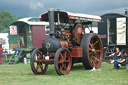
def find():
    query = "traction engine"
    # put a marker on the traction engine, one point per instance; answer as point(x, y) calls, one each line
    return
point(68, 43)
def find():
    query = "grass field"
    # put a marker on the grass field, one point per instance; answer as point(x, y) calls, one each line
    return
point(21, 74)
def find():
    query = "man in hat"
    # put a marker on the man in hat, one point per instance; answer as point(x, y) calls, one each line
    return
point(1, 51)
point(121, 62)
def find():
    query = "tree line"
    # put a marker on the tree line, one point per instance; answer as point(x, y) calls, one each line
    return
point(6, 18)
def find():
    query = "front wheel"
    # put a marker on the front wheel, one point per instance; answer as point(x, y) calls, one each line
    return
point(62, 61)
point(37, 65)
point(92, 51)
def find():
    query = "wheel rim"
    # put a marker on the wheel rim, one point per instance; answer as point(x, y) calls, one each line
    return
point(95, 51)
point(63, 62)
point(37, 62)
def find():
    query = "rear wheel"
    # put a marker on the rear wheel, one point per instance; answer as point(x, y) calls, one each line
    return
point(37, 65)
point(62, 61)
point(92, 51)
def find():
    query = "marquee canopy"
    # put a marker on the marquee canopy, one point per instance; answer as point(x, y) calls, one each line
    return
point(64, 16)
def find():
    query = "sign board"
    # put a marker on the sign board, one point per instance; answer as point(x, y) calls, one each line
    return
point(13, 30)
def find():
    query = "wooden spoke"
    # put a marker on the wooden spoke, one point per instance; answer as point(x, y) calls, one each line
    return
point(94, 64)
point(61, 55)
point(65, 67)
point(96, 58)
point(95, 43)
point(91, 58)
point(36, 60)
point(38, 55)
point(41, 66)
point(37, 67)
point(90, 53)
point(60, 61)
point(97, 50)
point(68, 60)
point(65, 55)
point(89, 48)
point(61, 67)
point(90, 45)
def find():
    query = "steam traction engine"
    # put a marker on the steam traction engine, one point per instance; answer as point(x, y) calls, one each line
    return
point(68, 43)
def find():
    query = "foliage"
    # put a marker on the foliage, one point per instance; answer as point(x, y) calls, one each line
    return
point(6, 18)
point(21, 74)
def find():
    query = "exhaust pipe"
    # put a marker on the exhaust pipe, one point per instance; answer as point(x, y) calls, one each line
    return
point(51, 22)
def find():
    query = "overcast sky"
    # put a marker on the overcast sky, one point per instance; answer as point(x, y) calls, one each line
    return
point(33, 8)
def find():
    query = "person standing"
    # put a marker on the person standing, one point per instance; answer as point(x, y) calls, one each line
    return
point(1, 51)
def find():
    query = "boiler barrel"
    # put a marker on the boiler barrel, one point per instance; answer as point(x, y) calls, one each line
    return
point(51, 44)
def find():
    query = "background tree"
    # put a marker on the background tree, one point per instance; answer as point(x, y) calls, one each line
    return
point(6, 18)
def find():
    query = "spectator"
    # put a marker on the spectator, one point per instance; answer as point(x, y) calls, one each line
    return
point(122, 61)
point(1, 51)
point(115, 55)
point(4, 51)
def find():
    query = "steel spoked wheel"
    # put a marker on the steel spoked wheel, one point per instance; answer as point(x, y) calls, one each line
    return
point(92, 51)
point(62, 61)
point(37, 65)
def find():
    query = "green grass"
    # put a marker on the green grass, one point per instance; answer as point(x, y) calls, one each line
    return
point(21, 74)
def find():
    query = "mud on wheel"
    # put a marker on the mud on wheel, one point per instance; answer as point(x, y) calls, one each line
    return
point(62, 61)
point(92, 51)
point(37, 65)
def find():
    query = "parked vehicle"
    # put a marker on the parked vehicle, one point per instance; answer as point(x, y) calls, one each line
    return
point(113, 31)
point(25, 35)
point(68, 43)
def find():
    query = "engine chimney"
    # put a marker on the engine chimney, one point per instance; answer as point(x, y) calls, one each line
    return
point(51, 22)
point(126, 12)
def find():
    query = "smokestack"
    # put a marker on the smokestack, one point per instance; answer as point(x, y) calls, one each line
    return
point(51, 22)
point(126, 12)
